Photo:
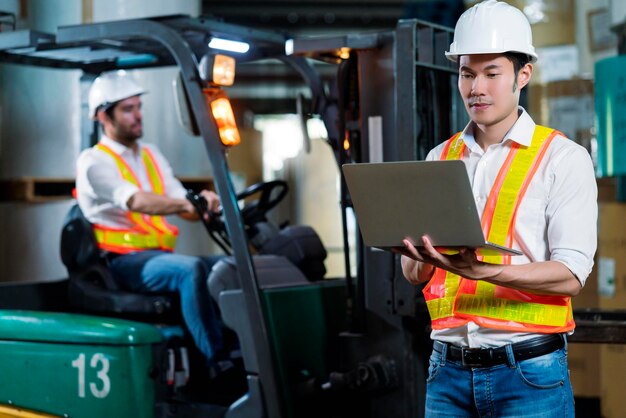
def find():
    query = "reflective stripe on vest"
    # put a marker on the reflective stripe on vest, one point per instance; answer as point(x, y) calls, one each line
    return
point(453, 301)
point(148, 232)
point(158, 187)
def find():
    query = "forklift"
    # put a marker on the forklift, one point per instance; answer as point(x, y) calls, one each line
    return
point(311, 346)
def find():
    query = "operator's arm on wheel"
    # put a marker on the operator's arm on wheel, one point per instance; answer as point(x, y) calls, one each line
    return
point(175, 201)
point(154, 204)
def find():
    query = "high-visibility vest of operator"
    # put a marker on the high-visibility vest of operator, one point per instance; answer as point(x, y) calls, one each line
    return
point(499, 324)
point(125, 187)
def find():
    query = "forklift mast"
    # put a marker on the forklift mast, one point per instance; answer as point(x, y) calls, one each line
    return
point(166, 41)
point(371, 114)
point(396, 100)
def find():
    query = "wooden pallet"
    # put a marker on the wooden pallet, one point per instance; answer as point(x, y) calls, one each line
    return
point(35, 189)
point(39, 190)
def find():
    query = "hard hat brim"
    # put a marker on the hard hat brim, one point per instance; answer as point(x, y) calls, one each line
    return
point(454, 56)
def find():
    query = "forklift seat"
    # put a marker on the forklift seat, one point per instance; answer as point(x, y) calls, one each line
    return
point(302, 246)
point(272, 271)
point(92, 287)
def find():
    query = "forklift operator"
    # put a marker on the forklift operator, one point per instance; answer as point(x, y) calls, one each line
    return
point(499, 323)
point(124, 186)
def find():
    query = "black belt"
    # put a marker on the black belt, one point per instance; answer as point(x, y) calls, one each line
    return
point(488, 357)
point(109, 256)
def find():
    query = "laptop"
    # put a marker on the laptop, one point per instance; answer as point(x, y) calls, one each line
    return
point(398, 200)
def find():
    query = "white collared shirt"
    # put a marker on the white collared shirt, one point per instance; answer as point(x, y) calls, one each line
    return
point(557, 219)
point(101, 191)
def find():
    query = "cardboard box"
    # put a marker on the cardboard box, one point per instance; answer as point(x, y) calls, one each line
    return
point(607, 189)
point(588, 297)
point(612, 255)
point(553, 22)
point(537, 104)
point(584, 359)
point(612, 295)
point(570, 106)
point(613, 370)
point(566, 105)
point(584, 367)
point(555, 63)
point(570, 101)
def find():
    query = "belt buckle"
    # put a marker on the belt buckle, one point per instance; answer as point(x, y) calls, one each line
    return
point(472, 361)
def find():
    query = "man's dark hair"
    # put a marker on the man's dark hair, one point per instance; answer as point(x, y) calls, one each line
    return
point(518, 60)
point(109, 111)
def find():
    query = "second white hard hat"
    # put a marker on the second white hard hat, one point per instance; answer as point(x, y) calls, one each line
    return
point(492, 27)
point(110, 88)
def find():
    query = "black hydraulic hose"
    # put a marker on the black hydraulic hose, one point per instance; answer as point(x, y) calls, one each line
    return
point(354, 319)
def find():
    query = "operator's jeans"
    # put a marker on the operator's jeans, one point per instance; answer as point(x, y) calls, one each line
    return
point(160, 271)
point(537, 387)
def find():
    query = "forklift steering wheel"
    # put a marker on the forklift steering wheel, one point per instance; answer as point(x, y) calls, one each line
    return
point(252, 213)
point(255, 211)
point(215, 225)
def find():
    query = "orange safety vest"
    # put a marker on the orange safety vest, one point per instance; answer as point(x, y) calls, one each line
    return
point(148, 232)
point(453, 300)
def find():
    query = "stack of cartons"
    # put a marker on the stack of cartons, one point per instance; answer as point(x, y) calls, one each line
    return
point(612, 284)
point(584, 359)
point(566, 105)
point(553, 21)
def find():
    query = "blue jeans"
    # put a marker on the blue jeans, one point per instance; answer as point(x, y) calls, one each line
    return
point(537, 387)
point(160, 271)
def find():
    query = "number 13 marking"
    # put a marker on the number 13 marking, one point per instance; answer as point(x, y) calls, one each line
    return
point(102, 375)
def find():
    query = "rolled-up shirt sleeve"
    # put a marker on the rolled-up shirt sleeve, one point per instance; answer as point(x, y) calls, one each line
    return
point(572, 212)
point(108, 185)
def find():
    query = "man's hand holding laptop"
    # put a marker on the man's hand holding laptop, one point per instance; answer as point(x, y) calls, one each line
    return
point(419, 264)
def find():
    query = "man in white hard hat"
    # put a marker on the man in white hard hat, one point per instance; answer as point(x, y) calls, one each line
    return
point(499, 323)
point(124, 186)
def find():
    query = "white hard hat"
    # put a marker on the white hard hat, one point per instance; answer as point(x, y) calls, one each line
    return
point(492, 27)
point(110, 88)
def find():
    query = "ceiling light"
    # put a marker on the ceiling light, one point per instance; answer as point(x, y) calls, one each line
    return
point(228, 45)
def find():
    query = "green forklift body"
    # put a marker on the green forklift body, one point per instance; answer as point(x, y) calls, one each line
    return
point(304, 325)
point(76, 365)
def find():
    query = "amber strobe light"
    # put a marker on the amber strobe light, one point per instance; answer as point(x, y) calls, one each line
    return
point(225, 119)
point(223, 70)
